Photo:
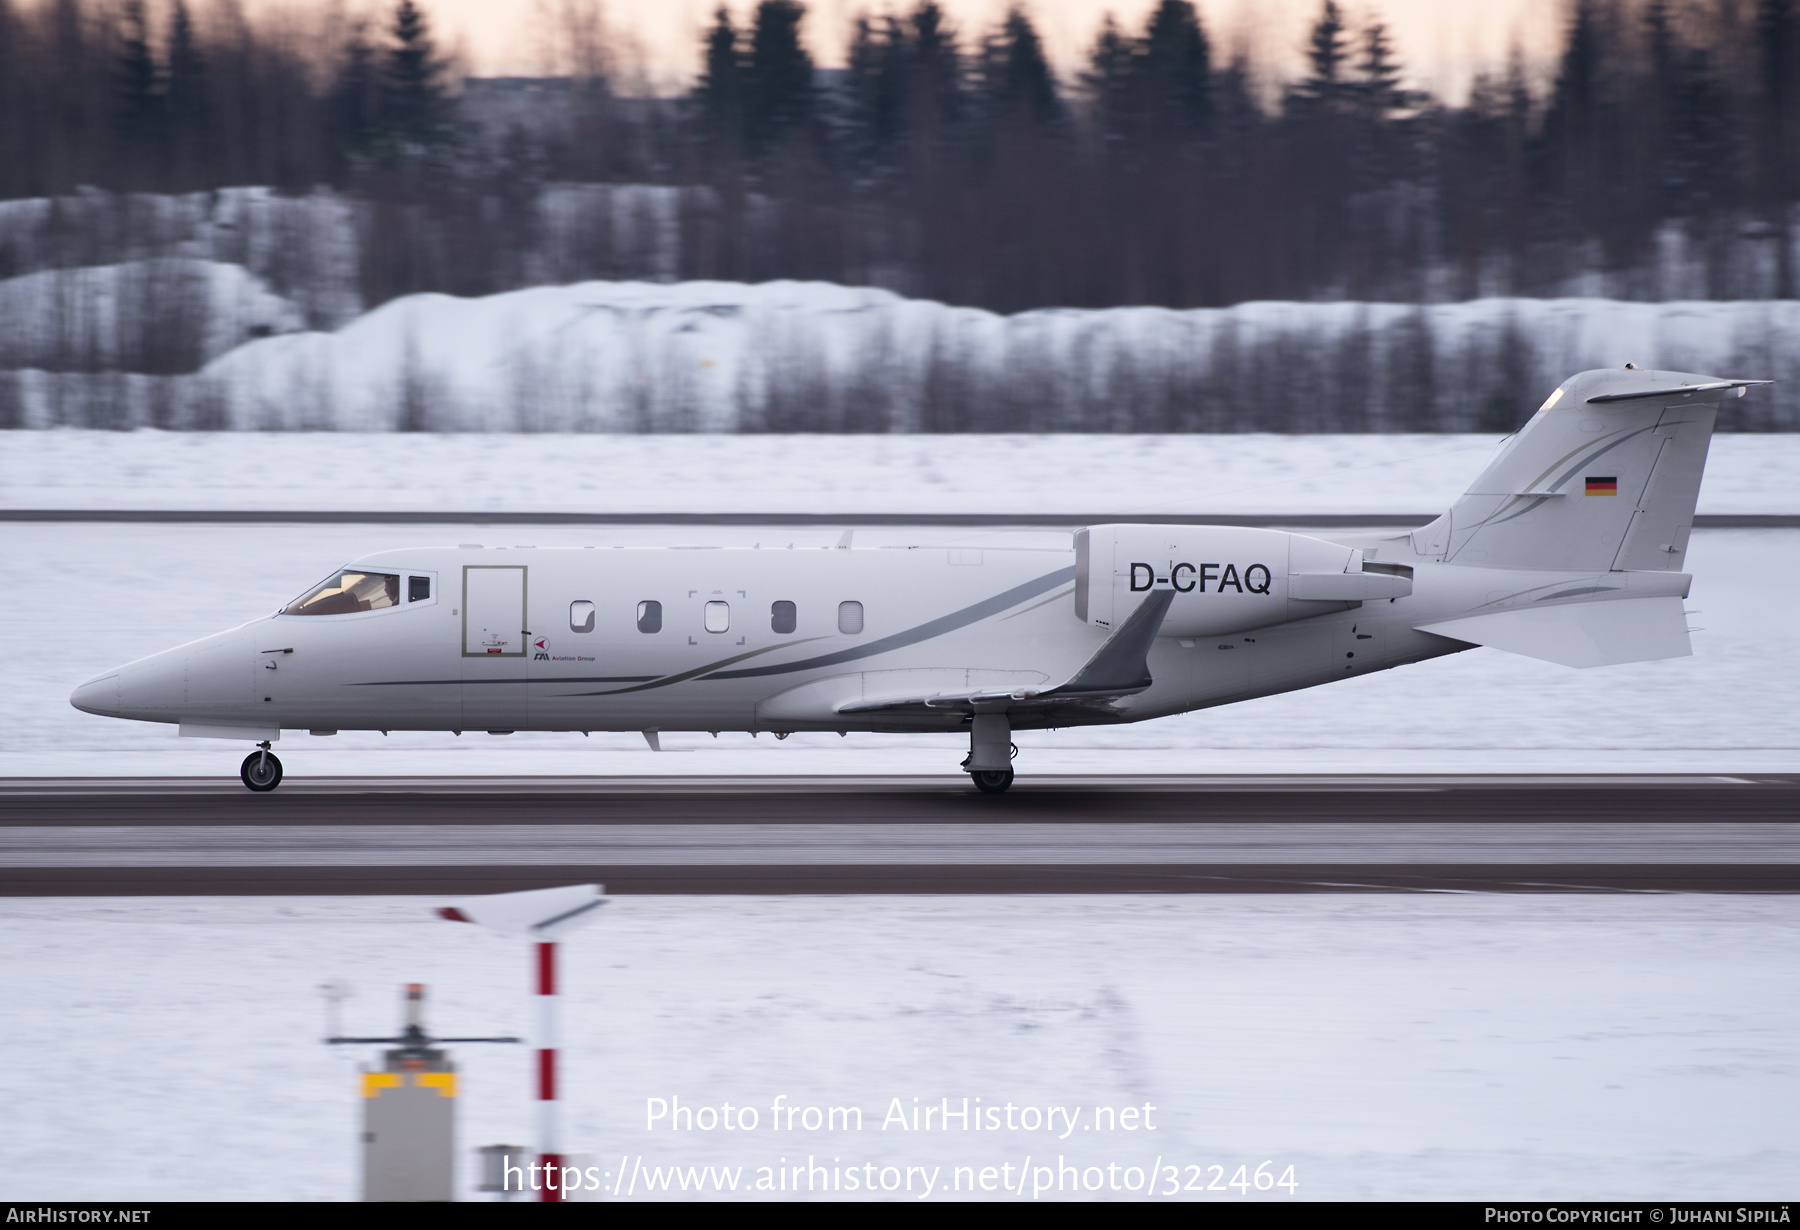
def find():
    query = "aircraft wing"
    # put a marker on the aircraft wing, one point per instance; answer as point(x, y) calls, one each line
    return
point(1118, 668)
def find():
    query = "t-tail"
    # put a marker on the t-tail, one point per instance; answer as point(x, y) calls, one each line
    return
point(1598, 488)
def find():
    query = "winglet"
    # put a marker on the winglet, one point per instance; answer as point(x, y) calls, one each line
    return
point(1123, 663)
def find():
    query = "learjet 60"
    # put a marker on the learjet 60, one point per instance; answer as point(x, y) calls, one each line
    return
point(1568, 547)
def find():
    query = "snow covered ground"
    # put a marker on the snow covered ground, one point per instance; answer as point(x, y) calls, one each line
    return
point(85, 597)
point(1424, 1047)
point(1167, 475)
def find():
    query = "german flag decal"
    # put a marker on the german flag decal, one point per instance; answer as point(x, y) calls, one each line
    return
point(1603, 486)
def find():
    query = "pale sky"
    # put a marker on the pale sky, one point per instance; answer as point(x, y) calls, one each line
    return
point(1441, 42)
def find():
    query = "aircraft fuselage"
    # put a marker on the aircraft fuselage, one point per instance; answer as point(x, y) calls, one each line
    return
point(722, 653)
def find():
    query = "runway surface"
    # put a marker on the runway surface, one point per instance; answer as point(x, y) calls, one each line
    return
point(892, 834)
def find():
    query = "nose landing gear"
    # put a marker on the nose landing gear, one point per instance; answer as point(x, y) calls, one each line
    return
point(261, 771)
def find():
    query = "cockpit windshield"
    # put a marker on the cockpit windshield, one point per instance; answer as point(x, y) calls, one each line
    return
point(349, 591)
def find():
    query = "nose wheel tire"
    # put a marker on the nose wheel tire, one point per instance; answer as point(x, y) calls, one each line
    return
point(992, 781)
point(262, 771)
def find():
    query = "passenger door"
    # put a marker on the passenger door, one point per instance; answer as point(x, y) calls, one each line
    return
point(494, 647)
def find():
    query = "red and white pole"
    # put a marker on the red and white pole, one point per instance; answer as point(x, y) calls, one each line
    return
point(549, 1149)
point(539, 913)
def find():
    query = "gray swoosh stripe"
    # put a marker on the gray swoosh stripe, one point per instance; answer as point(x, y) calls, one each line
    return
point(1578, 467)
point(1539, 500)
point(1578, 591)
point(912, 636)
point(398, 683)
point(1589, 460)
point(1541, 476)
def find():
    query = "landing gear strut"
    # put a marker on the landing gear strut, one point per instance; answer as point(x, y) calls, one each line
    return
point(990, 752)
point(261, 770)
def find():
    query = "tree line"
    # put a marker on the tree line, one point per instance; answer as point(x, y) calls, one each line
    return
point(955, 164)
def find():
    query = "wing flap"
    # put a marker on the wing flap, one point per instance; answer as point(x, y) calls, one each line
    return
point(965, 702)
point(1580, 634)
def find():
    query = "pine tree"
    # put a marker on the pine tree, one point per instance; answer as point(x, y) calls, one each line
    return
point(15, 144)
point(77, 120)
point(719, 96)
point(354, 106)
point(875, 93)
point(185, 98)
point(778, 94)
point(1377, 82)
point(1111, 81)
point(1778, 59)
point(1656, 95)
point(935, 86)
point(137, 102)
point(1175, 66)
point(1016, 75)
point(414, 103)
point(1703, 144)
point(1570, 145)
point(1327, 51)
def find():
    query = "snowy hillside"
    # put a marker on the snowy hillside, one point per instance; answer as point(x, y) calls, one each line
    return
point(137, 316)
point(817, 357)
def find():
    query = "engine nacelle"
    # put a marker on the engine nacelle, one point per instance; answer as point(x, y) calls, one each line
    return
point(1226, 578)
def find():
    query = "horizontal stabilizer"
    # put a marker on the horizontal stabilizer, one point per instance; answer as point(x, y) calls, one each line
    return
point(1684, 390)
point(1580, 634)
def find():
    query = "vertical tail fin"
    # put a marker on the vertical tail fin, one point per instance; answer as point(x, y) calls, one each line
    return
point(1604, 478)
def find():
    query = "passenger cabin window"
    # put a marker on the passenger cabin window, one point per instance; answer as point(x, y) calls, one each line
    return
point(581, 617)
point(718, 617)
point(850, 618)
point(348, 592)
point(418, 589)
point(782, 617)
point(649, 617)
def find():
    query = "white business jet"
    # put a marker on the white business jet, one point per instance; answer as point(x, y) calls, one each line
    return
point(1568, 547)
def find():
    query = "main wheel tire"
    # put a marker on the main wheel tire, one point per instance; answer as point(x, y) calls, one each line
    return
point(992, 781)
point(261, 771)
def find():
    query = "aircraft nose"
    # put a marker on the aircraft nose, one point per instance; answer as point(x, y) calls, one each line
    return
point(100, 696)
point(152, 689)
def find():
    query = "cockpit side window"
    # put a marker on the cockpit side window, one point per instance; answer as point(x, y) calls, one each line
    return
point(348, 592)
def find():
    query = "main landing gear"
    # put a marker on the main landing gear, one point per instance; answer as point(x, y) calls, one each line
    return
point(991, 781)
point(261, 771)
point(990, 752)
